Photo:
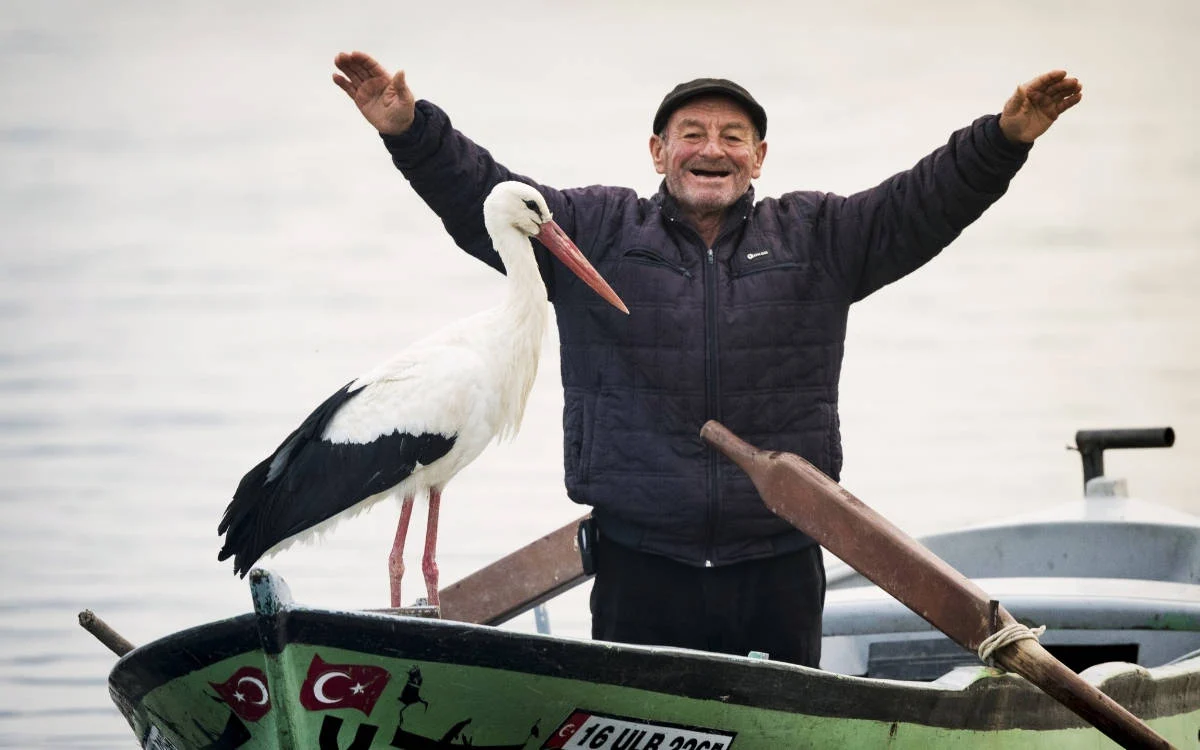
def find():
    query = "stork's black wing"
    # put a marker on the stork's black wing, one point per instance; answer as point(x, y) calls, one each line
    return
point(308, 480)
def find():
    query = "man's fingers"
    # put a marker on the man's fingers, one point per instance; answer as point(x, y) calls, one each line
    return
point(368, 66)
point(1065, 87)
point(1069, 102)
point(344, 85)
point(359, 67)
point(1046, 80)
point(347, 65)
point(356, 72)
point(1061, 97)
point(1054, 90)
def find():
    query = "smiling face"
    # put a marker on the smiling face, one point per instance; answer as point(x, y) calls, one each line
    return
point(708, 153)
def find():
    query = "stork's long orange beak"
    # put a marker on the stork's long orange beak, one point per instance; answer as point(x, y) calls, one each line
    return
point(557, 242)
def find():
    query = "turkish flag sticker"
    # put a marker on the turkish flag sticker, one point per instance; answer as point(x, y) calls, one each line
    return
point(567, 729)
point(330, 686)
point(246, 693)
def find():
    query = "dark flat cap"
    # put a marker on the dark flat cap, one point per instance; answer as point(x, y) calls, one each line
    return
point(685, 92)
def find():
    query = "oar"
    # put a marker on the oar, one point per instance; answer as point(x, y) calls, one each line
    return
point(518, 582)
point(105, 634)
point(797, 491)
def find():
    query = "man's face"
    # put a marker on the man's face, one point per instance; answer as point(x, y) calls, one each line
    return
point(709, 155)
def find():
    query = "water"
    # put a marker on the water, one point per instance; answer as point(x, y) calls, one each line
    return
point(200, 239)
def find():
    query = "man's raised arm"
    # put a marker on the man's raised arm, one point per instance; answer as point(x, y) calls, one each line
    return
point(886, 232)
point(450, 172)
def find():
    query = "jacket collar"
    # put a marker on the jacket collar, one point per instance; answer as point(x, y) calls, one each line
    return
point(734, 215)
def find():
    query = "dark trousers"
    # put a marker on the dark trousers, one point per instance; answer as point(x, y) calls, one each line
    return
point(771, 605)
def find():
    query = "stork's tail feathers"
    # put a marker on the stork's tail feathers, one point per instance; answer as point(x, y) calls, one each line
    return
point(250, 524)
point(242, 518)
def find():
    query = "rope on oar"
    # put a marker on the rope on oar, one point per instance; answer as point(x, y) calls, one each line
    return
point(1005, 636)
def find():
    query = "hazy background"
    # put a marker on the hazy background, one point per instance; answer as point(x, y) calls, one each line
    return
point(200, 239)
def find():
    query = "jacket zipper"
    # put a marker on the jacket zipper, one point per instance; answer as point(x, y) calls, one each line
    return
point(712, 385)
point(713, 389)
point(712, 396)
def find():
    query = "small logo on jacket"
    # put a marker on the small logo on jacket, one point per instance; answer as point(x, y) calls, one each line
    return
point(759, 254)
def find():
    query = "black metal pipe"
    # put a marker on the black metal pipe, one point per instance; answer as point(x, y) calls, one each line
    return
point(1092, 444)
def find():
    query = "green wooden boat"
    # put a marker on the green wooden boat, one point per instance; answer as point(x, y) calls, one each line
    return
point(1117, 582)
point(291, 677)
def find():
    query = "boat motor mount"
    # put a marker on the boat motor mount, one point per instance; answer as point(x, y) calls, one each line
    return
point(1091, 445)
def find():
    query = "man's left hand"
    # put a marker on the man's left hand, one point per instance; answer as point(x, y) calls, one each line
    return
point(1035, 105)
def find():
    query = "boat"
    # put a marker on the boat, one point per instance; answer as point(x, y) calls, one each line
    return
point(1115, 580)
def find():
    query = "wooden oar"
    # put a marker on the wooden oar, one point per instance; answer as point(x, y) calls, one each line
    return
point(518, 582)
point(797, 491)
point(105, 634)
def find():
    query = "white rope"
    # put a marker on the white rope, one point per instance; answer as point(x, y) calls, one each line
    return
point(1003, 637)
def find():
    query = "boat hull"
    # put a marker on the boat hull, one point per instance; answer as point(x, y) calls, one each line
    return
point(319, 679)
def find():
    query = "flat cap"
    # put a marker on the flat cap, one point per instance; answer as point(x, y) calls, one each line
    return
point(685, 92)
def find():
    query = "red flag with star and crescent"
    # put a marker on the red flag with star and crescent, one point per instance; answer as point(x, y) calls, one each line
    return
point(330, 686)
point(567, 729)
point(246, 693)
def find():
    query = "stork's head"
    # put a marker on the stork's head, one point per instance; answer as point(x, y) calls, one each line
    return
point(519, 206)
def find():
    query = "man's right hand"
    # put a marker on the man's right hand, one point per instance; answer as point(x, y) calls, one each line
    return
point(1034, 107)
point(384, 100)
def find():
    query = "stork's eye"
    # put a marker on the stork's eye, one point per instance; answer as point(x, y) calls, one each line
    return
point(533, 206)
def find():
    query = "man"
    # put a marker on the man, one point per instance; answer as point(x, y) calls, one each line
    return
point(737, 313)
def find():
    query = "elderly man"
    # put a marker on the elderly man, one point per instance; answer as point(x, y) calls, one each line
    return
point(738, 313)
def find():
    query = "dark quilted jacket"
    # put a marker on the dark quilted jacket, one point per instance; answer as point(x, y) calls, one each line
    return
point(749, 332)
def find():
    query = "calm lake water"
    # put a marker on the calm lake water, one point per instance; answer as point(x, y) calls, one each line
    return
point(200, 239)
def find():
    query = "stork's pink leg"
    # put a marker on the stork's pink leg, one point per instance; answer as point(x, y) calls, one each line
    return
point(429, 561)
point(396, 558)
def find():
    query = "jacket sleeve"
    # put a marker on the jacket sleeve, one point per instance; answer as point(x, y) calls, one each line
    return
point(879, 235)
point(453, 175)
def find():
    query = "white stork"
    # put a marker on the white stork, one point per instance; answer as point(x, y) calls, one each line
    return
point(408, 426)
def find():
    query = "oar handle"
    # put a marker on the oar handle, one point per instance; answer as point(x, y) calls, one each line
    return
point(735, 449)
point(800, 493)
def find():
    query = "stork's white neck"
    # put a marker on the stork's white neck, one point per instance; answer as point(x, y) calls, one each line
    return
point(521, 321)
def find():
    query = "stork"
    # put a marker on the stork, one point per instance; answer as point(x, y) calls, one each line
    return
point(406, 427)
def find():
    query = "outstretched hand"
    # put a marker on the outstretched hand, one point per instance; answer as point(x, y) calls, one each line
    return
point(384, 100)
point(1035, 105)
